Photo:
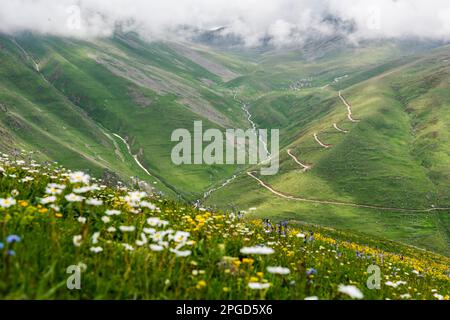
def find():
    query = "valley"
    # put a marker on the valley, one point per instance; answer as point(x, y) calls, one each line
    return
point(363, 143)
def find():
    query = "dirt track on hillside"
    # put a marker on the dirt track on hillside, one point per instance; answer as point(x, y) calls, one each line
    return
point(134, 156)
point(349, 108)
point(338, 203)
point(304, 166)
point(339, 129)
point(326, 146)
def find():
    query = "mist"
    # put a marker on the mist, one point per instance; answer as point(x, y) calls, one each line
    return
point(284, 22)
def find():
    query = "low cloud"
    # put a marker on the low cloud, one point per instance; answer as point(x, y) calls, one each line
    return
point(283, 22)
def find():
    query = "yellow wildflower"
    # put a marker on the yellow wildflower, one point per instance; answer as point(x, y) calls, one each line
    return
point(23, 203)
point(201, 284)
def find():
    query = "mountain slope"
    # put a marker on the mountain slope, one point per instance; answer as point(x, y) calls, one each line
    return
point(366, 126)
point(119, 87)
point(394, 158)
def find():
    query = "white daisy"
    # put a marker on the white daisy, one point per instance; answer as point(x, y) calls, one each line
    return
point(351, 291)
point(26, 179)
point(77, 240)
point(142, 241)
point(149, 230)
point(158, 236)
point(94, 202)
point(156, 222)
point(96, 249)
point(73, 198)
point(278, 270)
point(180, 236)
point(257, 250)
point(106, 219)
point(79, 177)
point(82, 220)
point(127, 247)
point(156, 247)
point(56, 186)
point(55, 207)
point(148, 205)
point(81, 190)
point(48, 200)
point(8, 202)
point(438, 296)
point(53, 191)
point(394, 284)
point(258, 285)
point(183, 253)
point(127, 228)
point(95, 237)
point(113, 212)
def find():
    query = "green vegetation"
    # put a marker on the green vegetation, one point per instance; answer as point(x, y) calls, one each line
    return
point(68, 99)
point(56, 224)
point(394, 157)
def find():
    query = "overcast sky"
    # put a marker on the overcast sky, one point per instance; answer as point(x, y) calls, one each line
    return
point(285, 21)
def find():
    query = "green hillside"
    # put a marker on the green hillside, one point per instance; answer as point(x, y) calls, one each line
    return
point(125, 244)
point(109, 107)
point(395, 158)
point(82, 93)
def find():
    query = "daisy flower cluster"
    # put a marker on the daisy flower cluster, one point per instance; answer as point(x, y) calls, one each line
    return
point(134, 244)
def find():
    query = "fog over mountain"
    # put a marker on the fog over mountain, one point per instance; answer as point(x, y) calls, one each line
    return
point(283, 22)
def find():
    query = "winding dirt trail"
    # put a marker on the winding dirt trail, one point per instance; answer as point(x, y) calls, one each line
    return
point(326, 146)
point(337, 203)
point(349, 108)
point(304, 166)
point(135, 157)
point(339, 129)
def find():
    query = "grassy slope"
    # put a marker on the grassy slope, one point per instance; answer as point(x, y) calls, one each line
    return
point(394, 157)
point(214, 267)
point(398, 168)
point(39, 118)
point(120, 105)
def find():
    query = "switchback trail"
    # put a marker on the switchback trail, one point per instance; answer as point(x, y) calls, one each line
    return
point(349, 108)
point(304, 166)
point(337, 203)
point(326, 146)
point(339, 129)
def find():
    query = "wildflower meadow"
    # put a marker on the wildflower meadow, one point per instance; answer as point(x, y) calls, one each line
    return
point(66, 235)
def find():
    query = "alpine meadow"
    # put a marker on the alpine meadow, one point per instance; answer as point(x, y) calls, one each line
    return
point(224, 150)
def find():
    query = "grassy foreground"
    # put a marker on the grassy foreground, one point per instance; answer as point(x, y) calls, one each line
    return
point(130, 245)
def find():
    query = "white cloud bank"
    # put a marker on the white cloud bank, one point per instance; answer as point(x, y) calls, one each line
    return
point(283, 21)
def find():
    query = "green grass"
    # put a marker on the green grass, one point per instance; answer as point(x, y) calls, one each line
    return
point(213, 266)
point(97, 100)
point(394, 157)
point(397, 156)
